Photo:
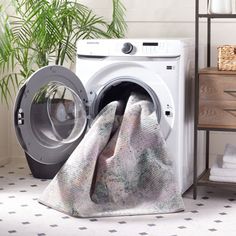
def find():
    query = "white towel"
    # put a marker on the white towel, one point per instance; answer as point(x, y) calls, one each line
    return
point(222, 179)
point(218, 171)
point(228, 165)
point(230, 154)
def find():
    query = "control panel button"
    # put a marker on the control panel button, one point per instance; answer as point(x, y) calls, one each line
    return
point(168, 113)
point(127, 48)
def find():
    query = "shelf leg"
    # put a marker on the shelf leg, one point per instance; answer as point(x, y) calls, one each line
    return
point(195, 166)
point(195, 192)
point(207, 148)
point(195, 177)
point(196, 100)
point(208, 42)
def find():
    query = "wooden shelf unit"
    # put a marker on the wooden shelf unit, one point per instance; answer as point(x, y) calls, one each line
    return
point(222, 105)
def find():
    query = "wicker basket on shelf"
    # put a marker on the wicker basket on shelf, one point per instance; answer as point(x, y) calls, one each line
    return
point(227, 57)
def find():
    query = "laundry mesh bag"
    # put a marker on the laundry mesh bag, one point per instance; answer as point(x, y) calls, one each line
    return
point(121, 167)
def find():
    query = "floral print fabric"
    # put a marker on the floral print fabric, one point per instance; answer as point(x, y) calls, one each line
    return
point(121, 167)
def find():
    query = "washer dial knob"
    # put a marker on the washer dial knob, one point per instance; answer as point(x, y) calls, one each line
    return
point(127, 48)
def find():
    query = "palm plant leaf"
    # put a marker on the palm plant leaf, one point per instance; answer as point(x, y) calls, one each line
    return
point(6, 44)
point(90, 26)
point(7, 59)
point(7, 83)
point(22, 33)
point(118, 26)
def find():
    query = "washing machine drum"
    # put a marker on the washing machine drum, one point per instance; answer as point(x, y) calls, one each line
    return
point(50, 114)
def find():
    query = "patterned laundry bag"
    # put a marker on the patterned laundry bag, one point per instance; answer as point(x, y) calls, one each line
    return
point(121, 167)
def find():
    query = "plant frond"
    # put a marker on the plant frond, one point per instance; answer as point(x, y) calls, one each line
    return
point(118, 26)
point(91, 26)
point(9, 84)
point(7, 51)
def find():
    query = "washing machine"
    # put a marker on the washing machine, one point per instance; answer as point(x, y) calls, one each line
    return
point(55, 106)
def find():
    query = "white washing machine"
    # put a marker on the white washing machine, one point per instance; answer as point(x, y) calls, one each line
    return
point(163, 68)
point(54, 106)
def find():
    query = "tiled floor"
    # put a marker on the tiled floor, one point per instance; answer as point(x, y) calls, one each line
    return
point(214, 213)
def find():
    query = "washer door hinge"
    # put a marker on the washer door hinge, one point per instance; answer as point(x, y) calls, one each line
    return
point(20, 117)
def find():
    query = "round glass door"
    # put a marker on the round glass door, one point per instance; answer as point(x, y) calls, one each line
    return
point(57, 115)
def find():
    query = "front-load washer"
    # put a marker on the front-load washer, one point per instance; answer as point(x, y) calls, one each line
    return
point(54, 106)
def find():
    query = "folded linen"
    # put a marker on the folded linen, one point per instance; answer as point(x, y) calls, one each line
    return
point(222, 178)
point(228, 165)
point(230, 154)
point(218, 171)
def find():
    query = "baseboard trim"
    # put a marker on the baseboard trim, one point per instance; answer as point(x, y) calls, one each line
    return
point(4, 161)
point(18, 159)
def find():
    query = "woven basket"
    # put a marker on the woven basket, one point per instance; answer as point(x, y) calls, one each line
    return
point(227, 57)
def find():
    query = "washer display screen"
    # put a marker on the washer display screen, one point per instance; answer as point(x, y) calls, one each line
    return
point(57, 115)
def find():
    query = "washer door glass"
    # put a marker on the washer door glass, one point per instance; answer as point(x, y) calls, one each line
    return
point(57, 115)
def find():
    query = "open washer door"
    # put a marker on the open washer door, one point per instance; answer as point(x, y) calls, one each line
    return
point(50, 118)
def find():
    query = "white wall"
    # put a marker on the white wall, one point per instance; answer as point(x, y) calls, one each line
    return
point(153, 19)
point(9, 147)
point(4, 137)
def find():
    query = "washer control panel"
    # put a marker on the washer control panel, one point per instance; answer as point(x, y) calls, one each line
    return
point(130, 47)
point(154, 47)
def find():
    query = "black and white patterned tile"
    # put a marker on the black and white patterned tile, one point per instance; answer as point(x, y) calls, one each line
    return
point(213, 213)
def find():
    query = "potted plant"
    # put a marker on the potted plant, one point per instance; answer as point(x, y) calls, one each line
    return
point(45, 31)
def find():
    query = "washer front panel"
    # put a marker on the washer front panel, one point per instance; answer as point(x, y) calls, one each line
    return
point(50, 115)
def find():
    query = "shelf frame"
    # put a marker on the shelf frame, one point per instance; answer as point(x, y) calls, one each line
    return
point(205, 128)
point(204, 177)
point(216, 16)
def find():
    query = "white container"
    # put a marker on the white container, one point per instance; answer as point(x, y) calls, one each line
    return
point(220, 7)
